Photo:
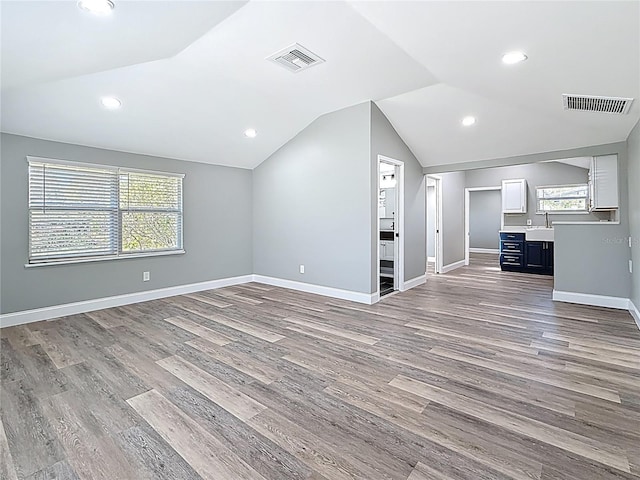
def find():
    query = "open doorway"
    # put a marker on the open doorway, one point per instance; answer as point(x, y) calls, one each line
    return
point(483, 220)
point(390, 225)
point(434, 224)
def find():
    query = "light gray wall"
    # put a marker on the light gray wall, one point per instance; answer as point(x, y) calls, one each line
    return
point(633, 143)
point(431, 221)
point(386, 141)
point(485, 210)
point(536, 174)
point(312, 204)
point(594, 259)
point(453, 185)
point(217, 230)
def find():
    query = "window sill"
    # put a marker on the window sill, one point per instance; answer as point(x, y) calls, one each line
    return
point(600, 222)
point(104, 259)
point(576, 212)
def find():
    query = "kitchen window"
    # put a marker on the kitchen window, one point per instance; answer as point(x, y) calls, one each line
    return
point(563, 199)
point(86, 212)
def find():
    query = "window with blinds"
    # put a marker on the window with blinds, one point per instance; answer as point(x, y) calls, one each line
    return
point(82, 211)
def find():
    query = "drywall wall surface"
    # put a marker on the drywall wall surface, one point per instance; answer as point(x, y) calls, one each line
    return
point(594, 258)
point(453, 185)
point(485, 210)
point(312, 205)
point(537, 175)
point(386, 141)
point(217, 230)
point(633, 143)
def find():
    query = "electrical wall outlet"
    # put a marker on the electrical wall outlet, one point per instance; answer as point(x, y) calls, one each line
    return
point(630, 266)
point(301, 268)
point(146, 276)
point(529, 221)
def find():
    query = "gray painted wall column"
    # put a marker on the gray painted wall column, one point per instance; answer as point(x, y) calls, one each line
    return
point(633, 178)
point(386, 141)
point(453, 185)
point(312, 205)
point(594, 259)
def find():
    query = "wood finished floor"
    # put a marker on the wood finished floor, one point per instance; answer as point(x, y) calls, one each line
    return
point(476, 375)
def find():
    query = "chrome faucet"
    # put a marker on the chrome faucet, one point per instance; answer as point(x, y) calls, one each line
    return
point(546, 220)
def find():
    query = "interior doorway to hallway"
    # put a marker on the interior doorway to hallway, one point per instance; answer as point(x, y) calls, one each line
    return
point(390, 225)
point(434, 224)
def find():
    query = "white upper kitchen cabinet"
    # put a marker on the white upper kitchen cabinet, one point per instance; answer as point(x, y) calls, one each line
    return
point(603, 183)
point(514, 196)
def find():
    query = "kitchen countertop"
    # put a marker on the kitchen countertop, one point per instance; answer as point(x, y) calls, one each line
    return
point(531, 233)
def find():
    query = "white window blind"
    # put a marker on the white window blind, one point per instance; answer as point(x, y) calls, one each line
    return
point(80, 211)
point(151, 212)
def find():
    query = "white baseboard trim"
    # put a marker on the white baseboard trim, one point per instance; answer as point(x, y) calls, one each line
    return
point(635, 313)
point(453, 266)
point(495, 251)
point(359, 297)
point(590, 299)
point(414, 282)
point(55, 311)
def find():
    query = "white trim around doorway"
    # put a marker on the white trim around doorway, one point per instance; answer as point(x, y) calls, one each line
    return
point(398, 263)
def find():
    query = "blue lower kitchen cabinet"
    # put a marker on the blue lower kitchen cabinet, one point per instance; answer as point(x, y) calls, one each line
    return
point(538, 256)
point(512, 251)
point(519, 255)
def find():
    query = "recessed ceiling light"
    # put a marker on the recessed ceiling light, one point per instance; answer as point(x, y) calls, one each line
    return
point(110, 102)
point(250, 133)
point(97, 7)
point(468, 121)
point(513, 57)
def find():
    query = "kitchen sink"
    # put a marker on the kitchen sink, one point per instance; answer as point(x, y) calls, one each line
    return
point(538, 234)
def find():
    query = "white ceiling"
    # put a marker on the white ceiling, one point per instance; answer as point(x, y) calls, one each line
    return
point(193, 76)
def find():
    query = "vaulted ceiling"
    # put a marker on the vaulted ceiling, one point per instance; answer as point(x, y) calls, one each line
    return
point(192, 76)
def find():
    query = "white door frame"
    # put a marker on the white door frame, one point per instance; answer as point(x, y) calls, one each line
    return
point(398, 227)
point(466, 217)
point(438, 250)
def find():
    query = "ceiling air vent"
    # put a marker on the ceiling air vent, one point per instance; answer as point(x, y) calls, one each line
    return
point(591, 103)
point(295, 58)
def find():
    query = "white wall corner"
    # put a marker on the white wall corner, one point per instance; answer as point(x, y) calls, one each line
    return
point(635, 313)
point(368, 298)
point(57, 311)
point(414, 282)
point(453, 266)
point(591, 299)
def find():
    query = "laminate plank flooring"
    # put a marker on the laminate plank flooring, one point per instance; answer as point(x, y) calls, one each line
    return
point(232, 400)
point(477, 374)
point(207, 455)
point(7, 469)
point(58, 471)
